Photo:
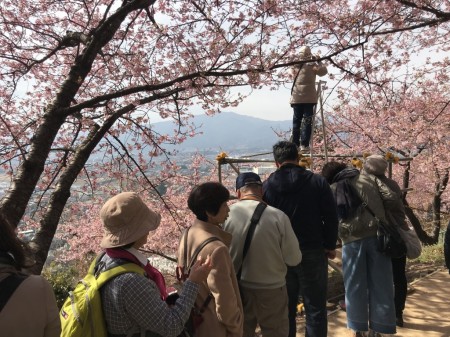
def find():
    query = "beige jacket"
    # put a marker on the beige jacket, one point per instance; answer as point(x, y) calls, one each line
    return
point(304, 90)
point(224, 315)
point(31, 311)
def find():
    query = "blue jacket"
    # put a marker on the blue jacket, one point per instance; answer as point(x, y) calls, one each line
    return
point(307, 200)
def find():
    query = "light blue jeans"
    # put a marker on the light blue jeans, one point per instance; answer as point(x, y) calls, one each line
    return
point(369, 290)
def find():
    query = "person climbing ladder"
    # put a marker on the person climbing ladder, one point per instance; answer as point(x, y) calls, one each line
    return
point(304, 97)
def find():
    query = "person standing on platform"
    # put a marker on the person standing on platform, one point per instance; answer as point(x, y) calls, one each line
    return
point(304, 97)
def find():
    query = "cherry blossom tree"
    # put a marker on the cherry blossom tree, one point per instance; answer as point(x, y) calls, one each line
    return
point(82, 81)
point(408, 118)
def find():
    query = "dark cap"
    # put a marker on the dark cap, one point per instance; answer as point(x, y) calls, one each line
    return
point(247, 178)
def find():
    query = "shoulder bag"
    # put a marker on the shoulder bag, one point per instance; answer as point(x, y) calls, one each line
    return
point(390, 243)
point(412, 242)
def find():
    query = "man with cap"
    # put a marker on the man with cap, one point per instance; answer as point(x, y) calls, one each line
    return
point(263, 269)
point(133, 303)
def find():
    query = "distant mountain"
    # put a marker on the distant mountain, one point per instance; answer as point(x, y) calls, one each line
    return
point(229, 132)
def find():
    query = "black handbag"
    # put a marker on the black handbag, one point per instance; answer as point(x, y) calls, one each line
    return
point(390, 243)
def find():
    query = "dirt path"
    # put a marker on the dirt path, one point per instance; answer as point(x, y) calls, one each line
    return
point(427, 312)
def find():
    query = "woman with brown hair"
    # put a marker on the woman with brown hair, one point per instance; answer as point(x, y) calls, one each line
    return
point(219, 295)
point(27, 302)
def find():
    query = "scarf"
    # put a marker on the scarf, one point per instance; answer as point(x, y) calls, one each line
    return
point(152, 273)
point(346, 196)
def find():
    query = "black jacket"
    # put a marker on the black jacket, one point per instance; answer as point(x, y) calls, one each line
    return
point(447, 247)
point(308, 201)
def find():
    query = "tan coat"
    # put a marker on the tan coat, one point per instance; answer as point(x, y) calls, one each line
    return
point(304, 90)
point(224, 314)
point(31, 311)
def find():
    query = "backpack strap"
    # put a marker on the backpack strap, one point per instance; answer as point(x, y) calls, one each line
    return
point(9, 286)
point(104, 273)
point(251, 229)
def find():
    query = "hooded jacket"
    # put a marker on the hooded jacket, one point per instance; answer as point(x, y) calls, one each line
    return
point(307, 200)
point(395, 210)
point(362, 224)
point(304, 88)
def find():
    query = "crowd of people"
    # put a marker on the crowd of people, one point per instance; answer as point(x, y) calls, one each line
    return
point(256, 258)
point(249, 264)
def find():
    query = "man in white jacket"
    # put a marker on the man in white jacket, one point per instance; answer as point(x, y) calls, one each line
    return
point(273, 246)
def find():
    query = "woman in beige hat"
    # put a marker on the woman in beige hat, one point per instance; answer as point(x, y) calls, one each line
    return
point(219, 294)
point(133, 303)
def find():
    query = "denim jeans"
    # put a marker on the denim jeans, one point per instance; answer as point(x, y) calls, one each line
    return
point(302, 119)
point(369, 287)
point(309, 279)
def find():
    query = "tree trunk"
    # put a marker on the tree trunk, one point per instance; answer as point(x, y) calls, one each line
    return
point(40, 245)
point(440, 186)
point(13, 205)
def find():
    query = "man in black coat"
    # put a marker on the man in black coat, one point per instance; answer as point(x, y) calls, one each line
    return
point(307, 200)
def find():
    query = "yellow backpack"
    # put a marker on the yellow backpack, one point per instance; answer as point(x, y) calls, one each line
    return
point(81, 314)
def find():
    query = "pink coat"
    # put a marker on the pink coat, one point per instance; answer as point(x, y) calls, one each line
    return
point(224, 315)
point(31, 311)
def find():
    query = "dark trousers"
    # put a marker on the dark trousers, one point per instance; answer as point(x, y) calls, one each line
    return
point(400, 284)
point(302, 119)
point(309, 280)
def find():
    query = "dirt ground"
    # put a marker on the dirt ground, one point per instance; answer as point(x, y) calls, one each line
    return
point(426, 312)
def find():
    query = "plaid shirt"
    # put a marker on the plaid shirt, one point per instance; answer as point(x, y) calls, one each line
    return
point(131, 302)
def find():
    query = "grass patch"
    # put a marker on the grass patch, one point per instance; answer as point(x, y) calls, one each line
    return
point(432, 254)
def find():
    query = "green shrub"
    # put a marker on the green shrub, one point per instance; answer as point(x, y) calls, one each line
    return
point(433, 254)
point(63, 278)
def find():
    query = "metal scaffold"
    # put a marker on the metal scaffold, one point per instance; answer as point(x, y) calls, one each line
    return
point(305, 159)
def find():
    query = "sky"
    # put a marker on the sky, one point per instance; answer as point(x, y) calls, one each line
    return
point(274, 104)
point(266, 104)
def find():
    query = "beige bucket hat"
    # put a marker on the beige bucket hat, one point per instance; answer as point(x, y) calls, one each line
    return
point(126, 218)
